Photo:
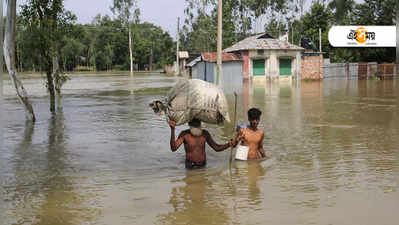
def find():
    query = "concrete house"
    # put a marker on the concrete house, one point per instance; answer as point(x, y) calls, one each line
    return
point(265, 57)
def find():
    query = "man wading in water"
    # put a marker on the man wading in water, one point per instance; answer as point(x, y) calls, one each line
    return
point(251, 136)
point(194, 143)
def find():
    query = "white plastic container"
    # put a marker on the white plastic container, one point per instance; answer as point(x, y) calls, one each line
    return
point(242, 152)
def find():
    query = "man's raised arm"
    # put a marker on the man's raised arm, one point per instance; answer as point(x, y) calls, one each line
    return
point(174, 144)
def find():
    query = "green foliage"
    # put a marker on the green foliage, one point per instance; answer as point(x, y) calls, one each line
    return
point(342, 9)
point(46, 22)
point(101, 45)
point(60, 80)
point(275, 29)
point(319, 17)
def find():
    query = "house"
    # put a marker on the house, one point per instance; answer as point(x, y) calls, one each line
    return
point(265, 57)
point(204, 67)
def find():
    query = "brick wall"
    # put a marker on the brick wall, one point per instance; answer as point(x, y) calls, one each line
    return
point(312, 67)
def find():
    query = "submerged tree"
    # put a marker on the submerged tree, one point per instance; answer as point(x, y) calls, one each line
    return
point(9, 56)
point(47, 21)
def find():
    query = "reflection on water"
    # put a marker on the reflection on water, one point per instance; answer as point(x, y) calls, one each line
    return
point(43, 192)
point(216, 197)
point(194, 202)
point(104, 158)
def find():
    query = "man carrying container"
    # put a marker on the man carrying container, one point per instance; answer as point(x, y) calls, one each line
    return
point(251, 136)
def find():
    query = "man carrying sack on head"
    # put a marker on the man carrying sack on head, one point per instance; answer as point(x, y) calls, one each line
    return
point(194, 140)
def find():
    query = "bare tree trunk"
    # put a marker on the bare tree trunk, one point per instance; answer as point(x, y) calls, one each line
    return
point(131, 51)
point(56, 75)
point(50, 87)
point(150, 63)
point(9, 50)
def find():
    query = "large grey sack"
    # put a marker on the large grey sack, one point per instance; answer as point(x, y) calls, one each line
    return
point(193, 98)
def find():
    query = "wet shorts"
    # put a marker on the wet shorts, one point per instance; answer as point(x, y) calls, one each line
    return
point(194, 165)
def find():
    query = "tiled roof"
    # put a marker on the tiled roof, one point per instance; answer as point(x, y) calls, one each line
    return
point(258, 42)
point(212, 57)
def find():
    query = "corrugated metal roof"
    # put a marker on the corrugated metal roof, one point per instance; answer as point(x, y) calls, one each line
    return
point(258, 42)
point(194, 61)
point(226, 57)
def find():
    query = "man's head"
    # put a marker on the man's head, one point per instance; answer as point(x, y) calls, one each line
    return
point(195, 123)
point(195, 127)
point(254, 117)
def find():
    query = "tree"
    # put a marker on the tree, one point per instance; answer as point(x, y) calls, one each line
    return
point(275, 28)
point(109, 54)
point(47, 21)
point(9, 50)
point(122, 8)
point(318, 17)
point(342, 9)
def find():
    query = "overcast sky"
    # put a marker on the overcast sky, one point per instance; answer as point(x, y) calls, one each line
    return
point(162, 13)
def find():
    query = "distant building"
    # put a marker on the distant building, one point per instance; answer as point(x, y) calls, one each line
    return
point(257, 57)
point(266, 57)
point(204, 67)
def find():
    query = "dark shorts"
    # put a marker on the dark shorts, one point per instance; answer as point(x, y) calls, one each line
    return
point(194, 165)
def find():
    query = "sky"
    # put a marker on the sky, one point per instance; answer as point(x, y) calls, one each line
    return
point(162, 13)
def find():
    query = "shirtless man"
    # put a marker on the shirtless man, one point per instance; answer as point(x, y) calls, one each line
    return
point(251, 136)
point(194, 140)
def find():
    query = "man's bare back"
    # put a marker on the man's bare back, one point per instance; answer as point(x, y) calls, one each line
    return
point(194, 145)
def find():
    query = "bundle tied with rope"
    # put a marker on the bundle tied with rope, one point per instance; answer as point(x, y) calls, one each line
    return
point(193, 98)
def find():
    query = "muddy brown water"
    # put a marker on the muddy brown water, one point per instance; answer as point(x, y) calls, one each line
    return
point(105, 157)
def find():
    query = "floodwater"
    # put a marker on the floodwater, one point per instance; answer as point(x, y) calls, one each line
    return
point(105, 158)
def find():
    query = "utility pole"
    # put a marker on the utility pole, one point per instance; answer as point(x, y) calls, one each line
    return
point(177, 47)
point(320, 40)
point(397, 40)
point(1, 50)
point(219, 45)
point(1, 69)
